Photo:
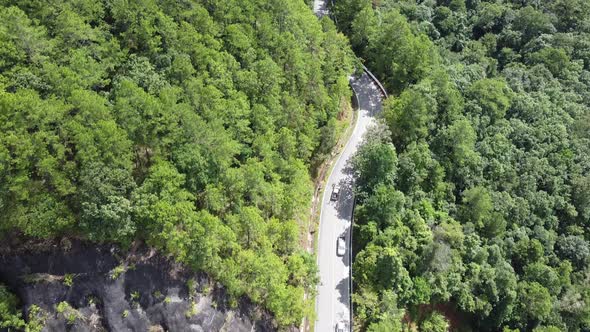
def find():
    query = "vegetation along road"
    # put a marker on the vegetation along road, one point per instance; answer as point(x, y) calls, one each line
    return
point(333, 300)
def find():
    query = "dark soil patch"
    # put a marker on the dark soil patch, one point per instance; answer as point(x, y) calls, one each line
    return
point(458, 320)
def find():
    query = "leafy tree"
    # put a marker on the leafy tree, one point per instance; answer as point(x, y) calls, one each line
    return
point(527, 252)
point(531, 23)
point(534, 302)
point(383, 207)
point(435, 322)
point(574, 248)
point(478, 209)
point(489, 18)
point(105, 207)
point(571, 15)
point(581, 198)
point(390, 274)
point(397, 55)
point(554, 59)
point(9, 316)
point(347, 11)
point(492, 98)
point(410, 116)
point(545, 276)
point(363, 28)
point(375, 163)
point(487, 212)
point(196, 129)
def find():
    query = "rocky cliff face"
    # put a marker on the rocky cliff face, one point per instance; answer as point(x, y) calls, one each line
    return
point(84, 287)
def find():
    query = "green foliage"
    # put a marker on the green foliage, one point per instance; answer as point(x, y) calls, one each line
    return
point(435, 322)
point(62, 307)
point(391, 315)
point(386, 41)
point(10, 317)
point(574, 248)
point(547, 329)
point(194, 128)
point(396, 53)
point(117, 271)
point(37, 319)
point(191, 285)
point(478, 209)
point(534, 300)
point(410, 116)
point(378, 161)
point(490, 97)
point(484, 209)
point(69, 313)
point(192, 311)
point(69, 280)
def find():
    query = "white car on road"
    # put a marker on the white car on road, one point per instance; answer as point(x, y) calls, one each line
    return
point(340, 326)
point(341, 246)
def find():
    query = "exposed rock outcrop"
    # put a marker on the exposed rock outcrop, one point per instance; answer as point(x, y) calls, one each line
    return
point(103, 289)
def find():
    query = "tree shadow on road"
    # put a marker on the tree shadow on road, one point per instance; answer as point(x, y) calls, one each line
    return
point(345, 202)
point(346, 257)
point(368, 94)
point(343, 292)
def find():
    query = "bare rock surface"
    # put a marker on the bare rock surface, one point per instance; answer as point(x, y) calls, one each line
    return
point(107, 289)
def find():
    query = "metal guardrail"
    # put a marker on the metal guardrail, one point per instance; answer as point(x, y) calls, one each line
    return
point(375, 80)
point(356, 100)
point(350, 270)
point(357, 105)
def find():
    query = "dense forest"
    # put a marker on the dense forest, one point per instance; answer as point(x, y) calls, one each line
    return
point(473, 196)
point(194, 126)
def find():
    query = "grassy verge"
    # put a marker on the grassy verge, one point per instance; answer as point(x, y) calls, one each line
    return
point(344, 128)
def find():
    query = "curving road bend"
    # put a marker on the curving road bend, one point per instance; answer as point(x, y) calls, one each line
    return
point(333, 299)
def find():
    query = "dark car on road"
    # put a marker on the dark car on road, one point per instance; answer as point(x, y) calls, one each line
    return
point(335, 193)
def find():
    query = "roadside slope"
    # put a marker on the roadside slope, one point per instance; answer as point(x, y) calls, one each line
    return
point(333, 300)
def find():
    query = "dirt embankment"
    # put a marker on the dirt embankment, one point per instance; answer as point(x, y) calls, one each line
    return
point(81, 286)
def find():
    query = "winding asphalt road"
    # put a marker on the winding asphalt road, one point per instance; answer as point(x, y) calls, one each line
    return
point(333, 299)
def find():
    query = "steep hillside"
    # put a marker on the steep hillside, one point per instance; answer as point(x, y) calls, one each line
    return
point(80, 286)
point(191, 125)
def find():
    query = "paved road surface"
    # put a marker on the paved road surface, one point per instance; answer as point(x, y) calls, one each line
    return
point(333, 300)
point(320, 7)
